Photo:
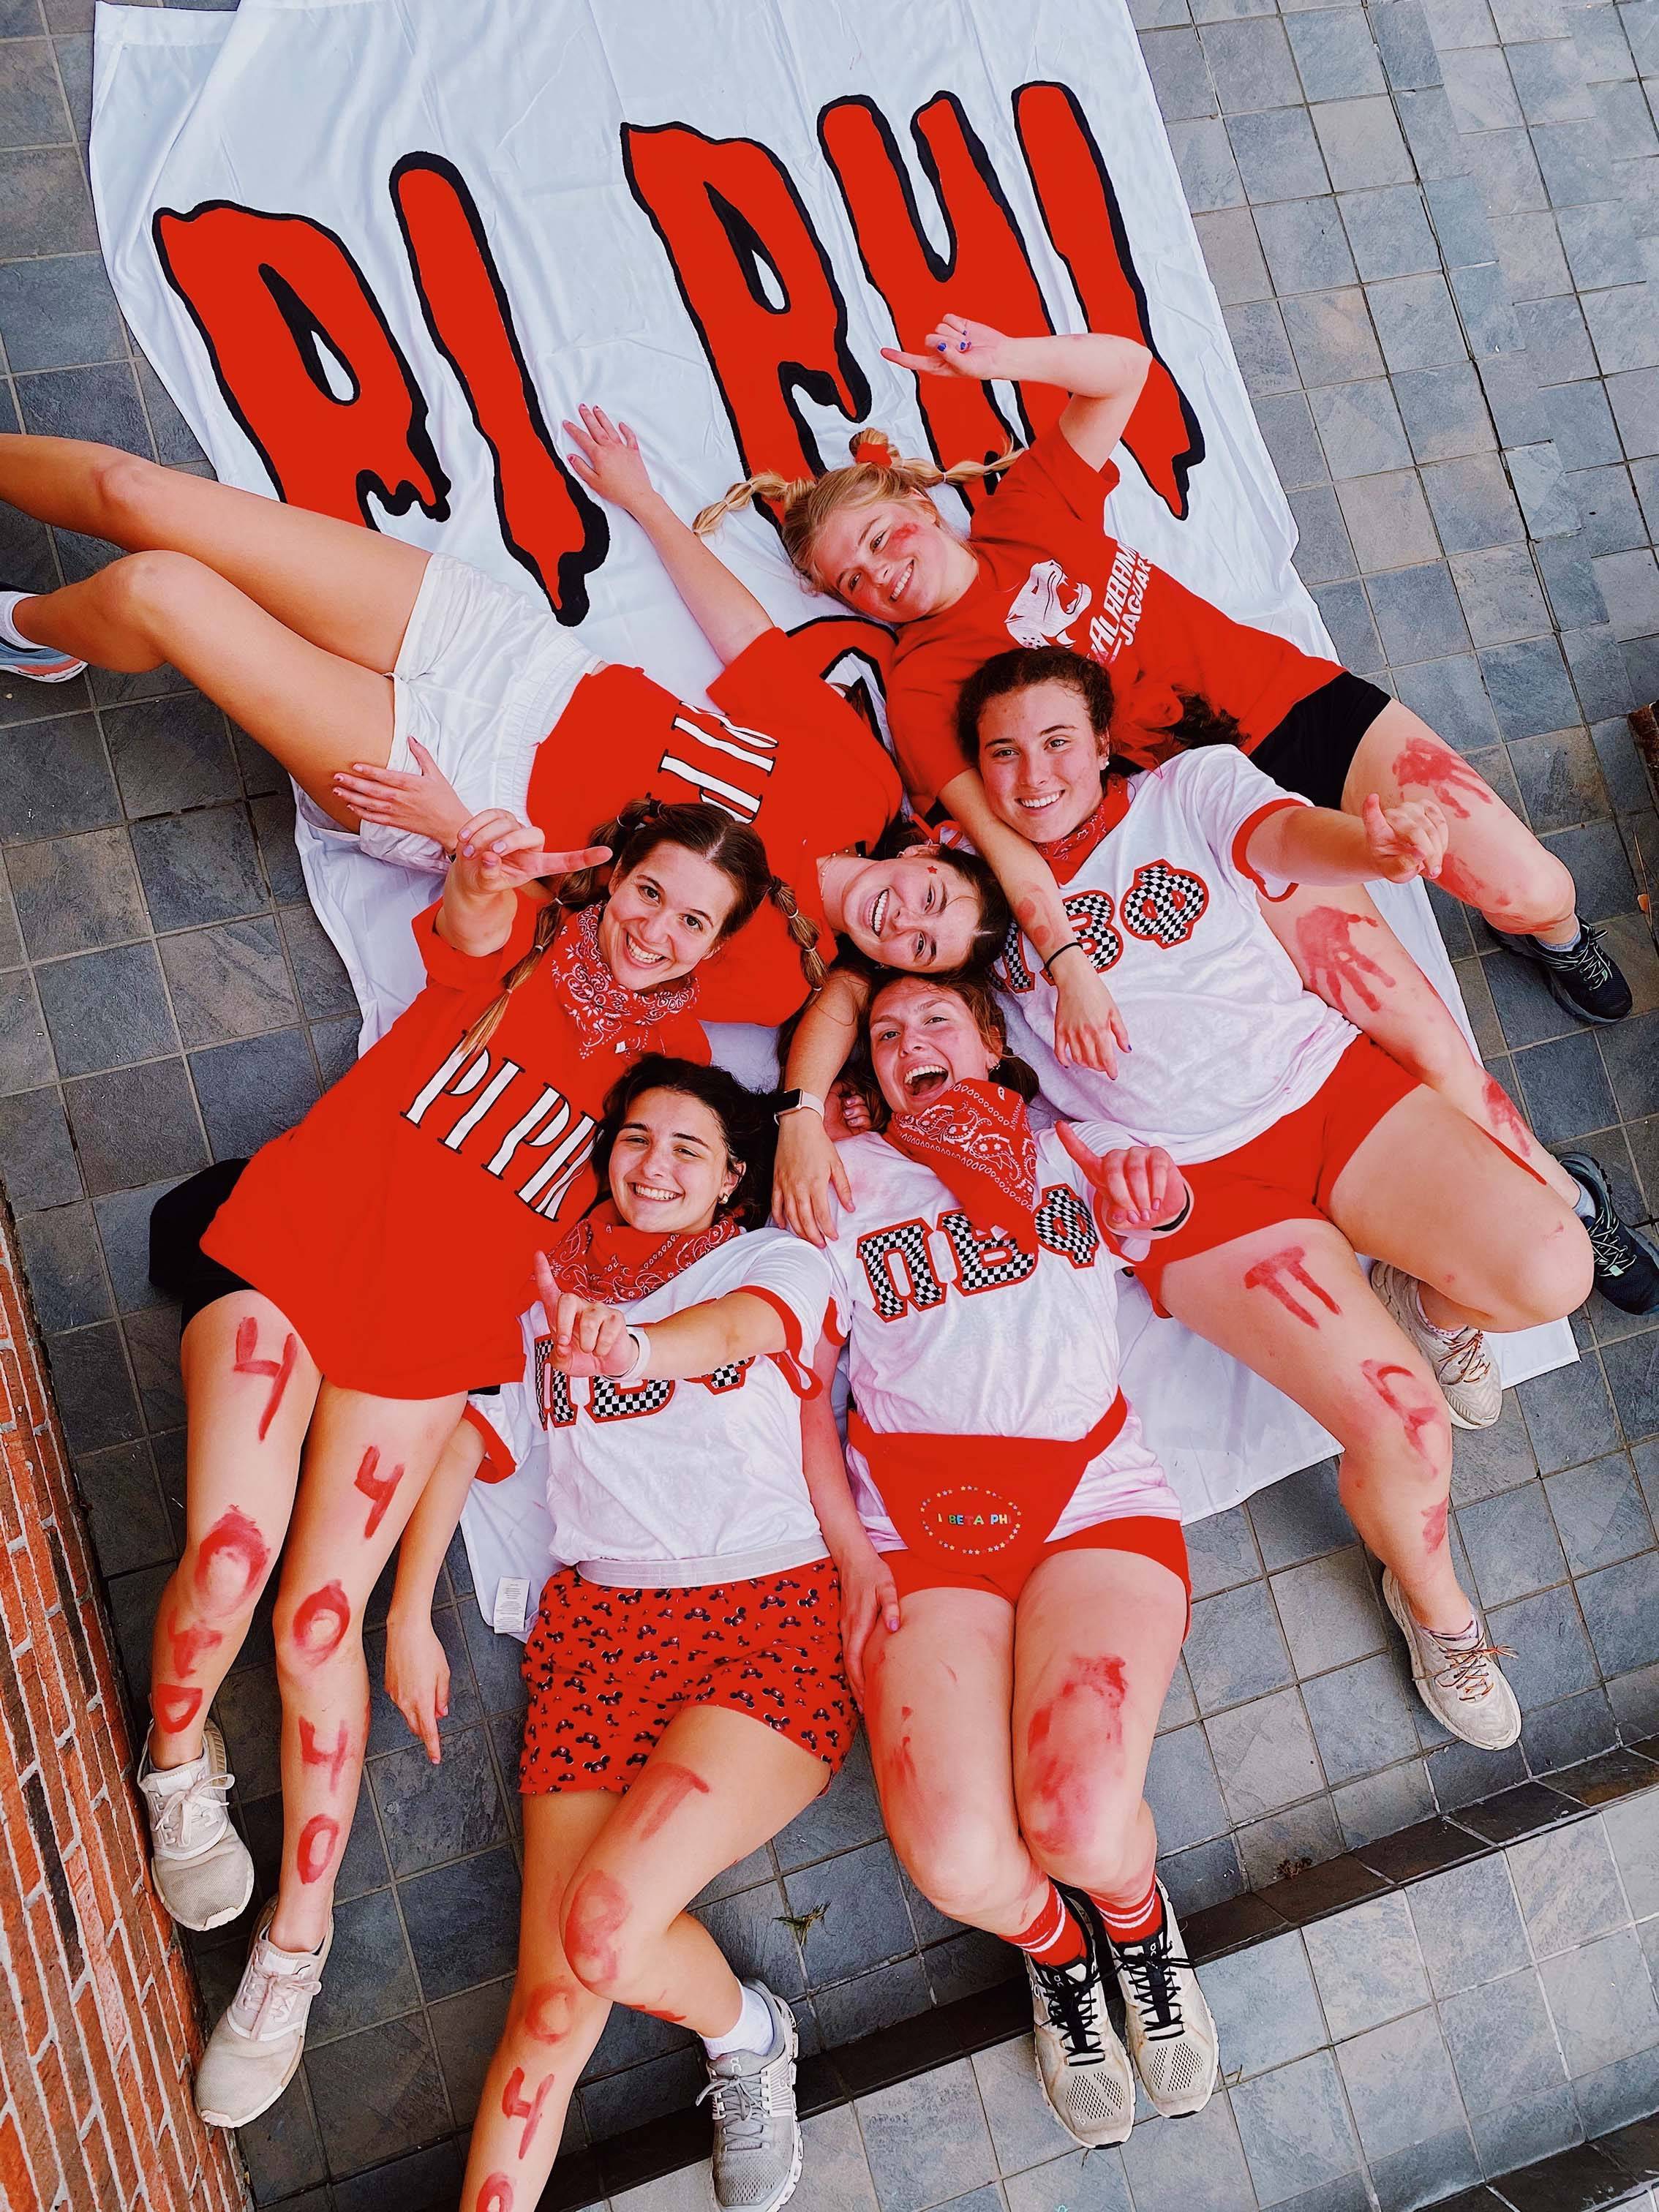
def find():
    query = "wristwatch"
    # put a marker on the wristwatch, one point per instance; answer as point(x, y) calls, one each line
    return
point(797, 1102)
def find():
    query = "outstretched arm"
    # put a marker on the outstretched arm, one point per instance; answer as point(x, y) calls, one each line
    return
point(1315, 845)
point(1104, 375)
point(606, 456)
point(590, 1338)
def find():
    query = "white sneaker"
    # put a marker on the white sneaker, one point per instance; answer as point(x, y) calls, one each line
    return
point(757, 2147)
point(1458, 1677)
point(1463, 1366)
point(1171, 2031)
point(201, 1867)
point(41, 664)
point(1085, 2069)
point(254, 2051)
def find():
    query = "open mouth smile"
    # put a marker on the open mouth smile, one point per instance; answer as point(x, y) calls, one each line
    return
point(923, 1082)
point(642, 954)
point(878, 912)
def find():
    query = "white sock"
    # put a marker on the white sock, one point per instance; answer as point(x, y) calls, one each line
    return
point(1584, 1205)
point(1433, 1327)
point(1567, 944)
point(753, 2029)
point(9, 633)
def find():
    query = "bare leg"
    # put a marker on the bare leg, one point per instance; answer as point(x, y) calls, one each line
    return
point(348, 590)
point(1493, 861)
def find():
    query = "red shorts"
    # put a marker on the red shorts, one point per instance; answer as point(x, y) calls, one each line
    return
point(1288, 1171)
point(608, 1669)
point(1151, 1535)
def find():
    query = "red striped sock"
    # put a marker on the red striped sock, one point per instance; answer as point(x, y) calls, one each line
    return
point(1131, 1920)
point(1055, 1936)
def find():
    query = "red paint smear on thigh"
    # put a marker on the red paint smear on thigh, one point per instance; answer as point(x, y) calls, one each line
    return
point(549, 2012)
point(515, 2106)
point(659, 1793)
point(376, 1487)
point(321, 1622)
point(316, 1846)
point(598, 1910)
point(495, 2196)
point(333, 1757)
point(1505, 1114)
point(233, 1538)
point(1265, 1275)
point(174, 1705)
point(1434, 1527)
point(1334, 964)
point(279, 1370)
point(1434, 767)
point(188, 1645)
point(1062, 1804)
point(1414, 1420)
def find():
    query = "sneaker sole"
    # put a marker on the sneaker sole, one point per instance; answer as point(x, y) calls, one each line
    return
point(1390, 1592)
point(1559, 993)
point(44, 675)
point(219, 1919)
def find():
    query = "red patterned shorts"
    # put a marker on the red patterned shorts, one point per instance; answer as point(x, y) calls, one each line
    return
point(608, 1669)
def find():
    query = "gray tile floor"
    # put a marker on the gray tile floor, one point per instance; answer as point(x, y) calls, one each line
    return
point(1433, 229)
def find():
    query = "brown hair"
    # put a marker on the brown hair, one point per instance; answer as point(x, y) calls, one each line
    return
point(973, 987)
point(643, 824)
point(745, 1119)
point(877, 470)
point(1024, 667)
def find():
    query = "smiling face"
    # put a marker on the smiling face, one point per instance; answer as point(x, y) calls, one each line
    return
point(1040, 760)
point(922, 1040)
point(664, 916)
point(670, 1167)
point(891, 559)
point(915, 912)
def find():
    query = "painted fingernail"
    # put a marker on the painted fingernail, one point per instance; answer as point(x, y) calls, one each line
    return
point(962, 347)
point(941, 349)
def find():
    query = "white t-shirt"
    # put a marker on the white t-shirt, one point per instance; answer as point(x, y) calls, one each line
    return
point(947, 1337)
point(667, 1486)
point(1226, 1039)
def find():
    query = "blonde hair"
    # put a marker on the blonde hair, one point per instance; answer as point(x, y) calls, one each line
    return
point(877, 471)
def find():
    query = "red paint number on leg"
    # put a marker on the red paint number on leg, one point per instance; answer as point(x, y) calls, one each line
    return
point(332, 1756)
point(188, 1645)
point(279, 1370)
point(377, 1488)
point(599, 1909)
point(1264, 1276)
point(316, 1846)
point(173, 1705)
point(232, 1549)
point(321, 1622)
point(495, 2196)
point(515, 2106)
point(549, 2012)
point(1334, 964)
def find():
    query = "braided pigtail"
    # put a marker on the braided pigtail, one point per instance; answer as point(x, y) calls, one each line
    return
point(484, 1028)
point(769, 485)
point(803, 930)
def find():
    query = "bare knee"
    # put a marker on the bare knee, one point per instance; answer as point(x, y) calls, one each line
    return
point(1103, 1853)
point(974, 1872)
point(1537, 893)
point(1551, 1277)
point(142, 591)
point(124, 489)
point(309, 1629)
point(607, 1942)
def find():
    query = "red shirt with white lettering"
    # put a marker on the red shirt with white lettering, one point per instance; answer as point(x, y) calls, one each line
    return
point(781, 749)
point(1050, 575)
point(397, 1226)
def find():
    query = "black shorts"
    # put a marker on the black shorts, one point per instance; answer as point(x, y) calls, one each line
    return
point(1309, 752)
point(178, 1223)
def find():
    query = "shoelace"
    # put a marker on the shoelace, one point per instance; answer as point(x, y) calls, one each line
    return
point(275, 1998)
point(1464, 1358)
point(1588, 958)
point(1149, 1968)
point(1467, 1666)
point(1610, 1241)
point(179, 1818)
point(1069, 1995)
point(743, 2127)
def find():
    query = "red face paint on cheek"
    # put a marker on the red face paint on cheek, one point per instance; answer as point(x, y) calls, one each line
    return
point(1434, 1527)
point(332, 1756)
point(1432, 766)
point(315, 1848)
point(1265, 1274)
point(173, 1705)
point(549, 2012)
point(188, 1645)
point(658, 1795)
point(495, 2196)
point(515, 2106)
point(1418, 1420)
point(229, 1561)
point(276, 1370)
point(376, 1487)
point(321, 1622)
point(599, 1911)
point(1333, 964)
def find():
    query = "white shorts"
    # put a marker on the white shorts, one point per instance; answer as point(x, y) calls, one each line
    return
point(483, 675)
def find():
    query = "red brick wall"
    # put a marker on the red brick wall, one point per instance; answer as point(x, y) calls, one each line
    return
point(98, 2025)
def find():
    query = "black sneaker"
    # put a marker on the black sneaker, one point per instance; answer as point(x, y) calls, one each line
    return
point(1581, 977)
point(1083, 2069)
point(1627, 1262)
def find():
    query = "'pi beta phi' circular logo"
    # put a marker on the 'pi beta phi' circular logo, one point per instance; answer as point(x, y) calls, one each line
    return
point(965, 1518)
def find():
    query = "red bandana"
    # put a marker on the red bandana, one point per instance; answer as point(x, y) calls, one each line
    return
point(609, 1017)
point(977, 1139)
point(603, 1258)
point(1067, 854)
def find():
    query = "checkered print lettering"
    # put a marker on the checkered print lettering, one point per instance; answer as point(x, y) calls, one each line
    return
point(627, 1401)
point(1164, 902)
point(987, 1263)
point(731, 1376)
point(900, 1272)
point(552, 1388)
point(1065, 1226)
point(1091, 913)
point(1011, 971)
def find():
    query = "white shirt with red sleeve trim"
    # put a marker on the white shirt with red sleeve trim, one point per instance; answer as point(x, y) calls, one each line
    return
point(1225, 1039)
point(949, 1336)
point(668, 1486)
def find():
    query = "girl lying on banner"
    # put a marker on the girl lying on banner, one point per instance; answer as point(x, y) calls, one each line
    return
point(313, 1321)
point(1013, 1571)
point(1037, 568)
point(287, 620)
point(1302, 1141)
point(685, 1671)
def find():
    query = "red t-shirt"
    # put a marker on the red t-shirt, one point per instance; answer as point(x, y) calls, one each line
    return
point(793, 760)
point(397, 1226)
point(1050, 575)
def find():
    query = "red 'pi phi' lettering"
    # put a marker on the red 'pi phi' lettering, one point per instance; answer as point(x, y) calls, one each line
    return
point(1264, 1276)
point(1417, 1420)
